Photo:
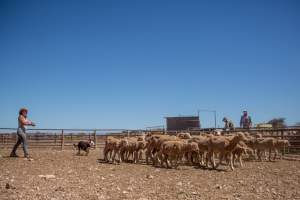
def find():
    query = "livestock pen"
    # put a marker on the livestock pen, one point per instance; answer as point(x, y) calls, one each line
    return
point(60, 174)
point(65, 138)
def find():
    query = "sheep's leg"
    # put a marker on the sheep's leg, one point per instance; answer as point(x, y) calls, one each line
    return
point(131, 155)
point(210, 157)
point(201, 154)
point(231, 162)
point(221, 156)
point(134, 157)
point(227, 159)
point(147, 156)
point(127, 155)
point(110, 153)
point(270, 153)
point(87, 151)
point(275, 154)
point(113, 156)
point(234, 157)
point(158, 158)
point(163, 159)
point(141, 154)
point(189, 158)
point(265, 155)
point(105, 154)
point(167, 161)
point(179, 158)
point(259, 155)
point(240, 160)
point(119, 156)
point(176, 161)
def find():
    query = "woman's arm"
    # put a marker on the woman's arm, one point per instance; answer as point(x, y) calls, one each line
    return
point(25, 121)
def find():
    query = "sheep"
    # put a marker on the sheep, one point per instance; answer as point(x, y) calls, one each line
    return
point(184, 135)
point(189, 149)
point(224, 145)
point(133, 148)
point(260, 145)
point(279, 145)
point(140, 146)
point(240, 149)
point(169, 152)
point(154, 145)
point(174, 151)
point(113, 146)
point(203, 143)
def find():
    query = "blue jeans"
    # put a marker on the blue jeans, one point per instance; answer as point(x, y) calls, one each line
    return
point(21, 139)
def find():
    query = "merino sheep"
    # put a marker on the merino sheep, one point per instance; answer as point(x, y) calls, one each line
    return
point(154, 145)
point(113, 146)
point(224, 145)
point(264, 144)
point(281, 145)
point(203, 145)
point(170, 151)
point(184, 135)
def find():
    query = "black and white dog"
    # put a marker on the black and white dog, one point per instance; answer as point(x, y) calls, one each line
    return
point(85, 146)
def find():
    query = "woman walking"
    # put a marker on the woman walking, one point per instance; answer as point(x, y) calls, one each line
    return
point(21, 132)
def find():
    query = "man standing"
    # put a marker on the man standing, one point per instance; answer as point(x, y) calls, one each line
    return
point(246, 121)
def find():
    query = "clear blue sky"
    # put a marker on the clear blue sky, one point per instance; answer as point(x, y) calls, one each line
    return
point(128, 64)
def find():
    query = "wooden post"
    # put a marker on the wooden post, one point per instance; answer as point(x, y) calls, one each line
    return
point(55, 138)
point(62, 139)
point(283, 152)
point(95, 138)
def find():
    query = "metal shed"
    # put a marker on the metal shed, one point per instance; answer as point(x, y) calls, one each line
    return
point(182, 123)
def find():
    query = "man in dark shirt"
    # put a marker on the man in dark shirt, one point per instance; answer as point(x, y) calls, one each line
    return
point(246, 121)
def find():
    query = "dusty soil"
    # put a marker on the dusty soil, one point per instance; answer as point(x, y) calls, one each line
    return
point(80, 177)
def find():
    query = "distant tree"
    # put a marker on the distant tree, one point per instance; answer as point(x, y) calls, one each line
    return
point(278, 122)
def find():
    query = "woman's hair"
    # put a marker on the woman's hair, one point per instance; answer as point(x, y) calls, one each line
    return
point(22, 110)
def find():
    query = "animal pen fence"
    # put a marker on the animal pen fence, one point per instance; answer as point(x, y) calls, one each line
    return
point(60, 138)
point(65, 138)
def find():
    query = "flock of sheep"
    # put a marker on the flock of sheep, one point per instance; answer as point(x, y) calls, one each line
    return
point(160, 149)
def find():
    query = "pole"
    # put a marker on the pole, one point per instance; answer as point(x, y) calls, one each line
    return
point(62, 139)
point(215, 113)
point(95, 138)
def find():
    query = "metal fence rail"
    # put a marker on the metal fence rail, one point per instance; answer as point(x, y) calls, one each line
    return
point(65, 138)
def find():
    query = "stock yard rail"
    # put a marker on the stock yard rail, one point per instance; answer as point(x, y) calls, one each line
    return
point(65, 138)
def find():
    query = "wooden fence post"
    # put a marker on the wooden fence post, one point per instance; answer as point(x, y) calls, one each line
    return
point(95, 138)
point(283, 152)
point(62, 139)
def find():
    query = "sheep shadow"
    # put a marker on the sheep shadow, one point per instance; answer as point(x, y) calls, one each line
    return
point(209, 168)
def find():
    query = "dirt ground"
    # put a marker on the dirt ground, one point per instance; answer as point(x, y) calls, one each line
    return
point(59, 175)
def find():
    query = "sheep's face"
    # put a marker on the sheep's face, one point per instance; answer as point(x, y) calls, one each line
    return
point(123, 143)
point(241, 137)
